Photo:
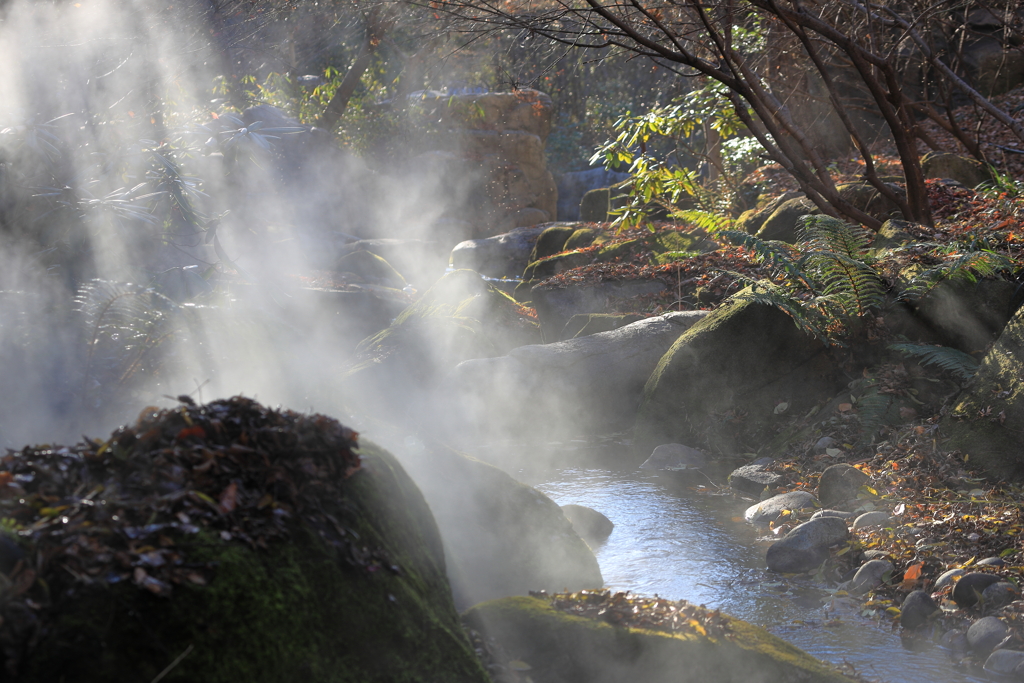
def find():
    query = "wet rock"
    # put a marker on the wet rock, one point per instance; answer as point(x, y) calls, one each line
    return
point(947, 578)
point(842, 514)
point(675, 456)
point(917, 608)
point(592, 526)
point(873, 518)
point(1005, 663)
point(986, 633)
point(505, 255)
point(752, 479)
point(870, 575)
point(771, 509)
point(955, 641)
point(968, 590)
point(998, 594)
point(805, 547)
point(840, 483)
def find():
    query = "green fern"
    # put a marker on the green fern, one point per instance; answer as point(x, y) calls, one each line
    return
point(708, 221)
point(967, 267)
point(773, 252)
point(807, 318)
point(872, 412)
point(850, 282)
point(953, 361)
point(828, 234)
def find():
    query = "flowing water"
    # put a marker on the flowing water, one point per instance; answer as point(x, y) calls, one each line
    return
point(680, 544)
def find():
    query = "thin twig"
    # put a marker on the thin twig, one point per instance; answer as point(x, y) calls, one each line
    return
point(170, 667)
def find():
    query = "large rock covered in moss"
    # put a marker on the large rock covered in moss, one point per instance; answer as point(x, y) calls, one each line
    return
point(501, 537)
point(696, 648)
point(720, 384)
point(224, 542)
point(988, 418)
point(574, 387)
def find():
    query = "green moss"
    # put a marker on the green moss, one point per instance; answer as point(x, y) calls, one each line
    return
point(582, 238)
point(551, 241)
point(297, 611)
point(562, 647)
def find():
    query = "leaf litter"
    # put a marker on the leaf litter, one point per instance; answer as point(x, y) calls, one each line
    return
point(123, 510)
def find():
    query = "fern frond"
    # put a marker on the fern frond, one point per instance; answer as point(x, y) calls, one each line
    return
point(806, 318)
point(852, 282)
point(825, 233)
point(968, 266)
point(772, 252)
point(953, 361)
point(872, 412)
point(708, 221)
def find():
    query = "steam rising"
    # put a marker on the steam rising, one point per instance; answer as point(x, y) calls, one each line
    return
point(113, 167)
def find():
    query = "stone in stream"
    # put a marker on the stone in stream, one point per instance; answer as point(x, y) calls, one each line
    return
point(591, 525)
point(752, 479)
point(1006, 663)
point(986, 633)
point(773, 508)
point(918, 607)
point(805, 547)
point(999, 594)
point(870, 576)
point(968, 590)
point(873, 518)
point(675, 456)
point(840, 483)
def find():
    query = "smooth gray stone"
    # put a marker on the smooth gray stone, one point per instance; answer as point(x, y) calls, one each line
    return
point(771, 509)
point(999, 594)
point(1005, 662)
point(873, 518)
point(874, 554)
point(823, 443)
point(991, 562)
point(505, 255)
point(986, 633)
point(968, 590)
point(675, 456)
point(947, 578)
point(840, 483)
point(806, 546)
point(869, 576)
point(752, 479)
point(917, 607)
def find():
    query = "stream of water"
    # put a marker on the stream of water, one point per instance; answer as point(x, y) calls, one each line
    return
point(680, 544)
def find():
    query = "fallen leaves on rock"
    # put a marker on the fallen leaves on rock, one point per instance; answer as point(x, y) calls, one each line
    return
point(124, 509)
point(634, 611)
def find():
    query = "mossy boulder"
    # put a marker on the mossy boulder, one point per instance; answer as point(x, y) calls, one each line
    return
point(717, 387)
point(964, 170)
point(370, 268)
point(199, 585)
point(582, 238)
point(552, 241)
point(564, 648)
point(988, 417)
point(501, 537)
point(751, 220)
point(868, 199)
point(782, 224)
point(894, 233)
point(595, 205)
